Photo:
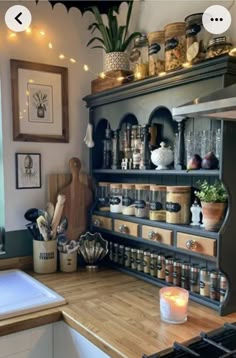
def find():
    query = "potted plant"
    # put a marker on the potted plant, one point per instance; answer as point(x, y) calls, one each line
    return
point(214, 202)
point(114, 39)
point(40, 103)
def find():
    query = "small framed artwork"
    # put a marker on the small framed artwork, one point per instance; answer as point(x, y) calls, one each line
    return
point(39, 102)
point(28, 170)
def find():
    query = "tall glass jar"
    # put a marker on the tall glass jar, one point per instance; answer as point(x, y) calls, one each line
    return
point(115, 198)
point(156, 52)
point(175, 46)
point(139, 57)
point(103, 196)
point(178, 200)
point(196, 38)
point(157, 203)
point(142, 200)
point(128, 196)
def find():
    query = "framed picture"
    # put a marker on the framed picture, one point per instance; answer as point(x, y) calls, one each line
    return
point(28, 170)
point(39, 102)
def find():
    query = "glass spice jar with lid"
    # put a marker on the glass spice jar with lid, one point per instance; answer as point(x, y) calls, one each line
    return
point(128, 196)
point(178, 200)
point(142, 200)
point(157, 203)
point(115, 198)
point(196, 38)
point(156, 52)
point(139, 57)
point(175, 46)
point(219, 46)
point(103, 196)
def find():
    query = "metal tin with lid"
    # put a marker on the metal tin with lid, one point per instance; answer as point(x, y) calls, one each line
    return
point(127, 257)
point(177, 272)
point(153, 265)
point(146, 262)
point(140, 260)
point(161, 266)
point(204, 282)
point(214, 287)
point(185, 275)
point(169, 270)
point(133, 259)
point(194, 279)
point(178, 200)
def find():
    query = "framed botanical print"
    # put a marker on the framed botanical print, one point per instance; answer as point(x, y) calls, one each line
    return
point(28, 170)
point(39, 102)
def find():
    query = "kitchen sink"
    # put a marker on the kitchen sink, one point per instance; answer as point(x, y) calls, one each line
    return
point(20, 294)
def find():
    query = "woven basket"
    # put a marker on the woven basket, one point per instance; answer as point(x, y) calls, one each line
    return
point(115, 61)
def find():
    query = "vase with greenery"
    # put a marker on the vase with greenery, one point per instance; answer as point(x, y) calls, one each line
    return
point(214, 200)
point(114, 39)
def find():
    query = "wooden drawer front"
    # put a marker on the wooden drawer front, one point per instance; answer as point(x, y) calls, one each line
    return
point(156, 234)
point(126, 227)
point(102, 222)
point(199, 244)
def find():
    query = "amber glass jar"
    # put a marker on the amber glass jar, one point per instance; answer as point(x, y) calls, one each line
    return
point(178, 200)
point(156, 52)
point(175, 45)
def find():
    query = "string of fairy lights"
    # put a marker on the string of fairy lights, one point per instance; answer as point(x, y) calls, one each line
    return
point(40, 32)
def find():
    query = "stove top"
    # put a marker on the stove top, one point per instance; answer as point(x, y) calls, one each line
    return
point(220, 343)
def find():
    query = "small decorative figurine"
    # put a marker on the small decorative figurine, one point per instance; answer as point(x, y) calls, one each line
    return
point(124, 164)
point(162, 157)
point(196, 211)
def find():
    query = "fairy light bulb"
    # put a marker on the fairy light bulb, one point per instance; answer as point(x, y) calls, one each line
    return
point(162, 73)
point(12, 35)
point(72, 60)
point(186, 64)
point(120, 78)
point(50, 45)
point(138, 75)
point(42, 33)
point(102, 75)
point(86, 67)
point(61, 56)
point(28, 30)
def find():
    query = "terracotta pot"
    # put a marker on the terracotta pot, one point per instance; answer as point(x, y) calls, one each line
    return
point(213, 215)
point(115, 61)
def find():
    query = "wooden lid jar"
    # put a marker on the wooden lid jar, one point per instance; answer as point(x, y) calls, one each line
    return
point(178, 200)
point(175, 45)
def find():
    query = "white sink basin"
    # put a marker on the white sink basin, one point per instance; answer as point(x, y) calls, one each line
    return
point(21, 293)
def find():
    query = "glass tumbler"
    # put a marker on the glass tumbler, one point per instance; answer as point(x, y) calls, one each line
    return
point(189, 145)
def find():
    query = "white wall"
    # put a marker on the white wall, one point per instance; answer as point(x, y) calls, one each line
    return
point(68, 33)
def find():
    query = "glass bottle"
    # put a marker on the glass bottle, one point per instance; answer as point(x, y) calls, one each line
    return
point(107, 149)
point(115, 151)
point(137, 149)
point(218, 144)
point(139, 57)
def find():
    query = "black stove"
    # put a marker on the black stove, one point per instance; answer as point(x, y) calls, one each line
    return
point(220, 343)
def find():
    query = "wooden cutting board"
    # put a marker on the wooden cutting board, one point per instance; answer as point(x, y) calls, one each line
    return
point(77, 189)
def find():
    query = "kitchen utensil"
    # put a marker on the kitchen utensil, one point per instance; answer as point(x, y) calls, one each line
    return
point(62, 227)
point(32, 214)
point(33, 229)
point(50, 212)
point(57, 213)
point(44, 228)
point(78, 199)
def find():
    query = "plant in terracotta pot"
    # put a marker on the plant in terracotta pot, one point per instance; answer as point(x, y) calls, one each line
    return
point(114, 39)
point(214, 200)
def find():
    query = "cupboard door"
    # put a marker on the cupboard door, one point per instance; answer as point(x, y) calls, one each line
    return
point(126, 227)
point(156, 234)
point(198, 244)
point(102, 222)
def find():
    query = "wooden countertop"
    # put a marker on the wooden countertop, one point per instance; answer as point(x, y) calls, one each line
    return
point(116, 312)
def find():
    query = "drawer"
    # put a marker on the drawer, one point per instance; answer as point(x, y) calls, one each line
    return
point(156, 234)
point(126, 227)
point(199, 244)
point(102, 222)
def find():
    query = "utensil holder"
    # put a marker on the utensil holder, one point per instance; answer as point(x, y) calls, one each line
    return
point(68, 262)
point(45, 256)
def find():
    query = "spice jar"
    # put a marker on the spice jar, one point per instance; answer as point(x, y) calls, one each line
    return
point(111, 251)
point(178, 204)
point(169, 270)
point(133, 259)
point(175, 45)
point(139, 57)
point(157, 203)
point(116, 198)
point(127, 257)
point(185, 276)
point(223, 287)
point(161, 266)
point(153, 265)
point(196, 38)
point(177, 273)
point(141, 200)
point(156, 52)
point(115, 253)
point(214, 287)
point(128, 194)
point(103, 199)
point(194, 279)
point(204, 282)
point(146, 262)
point(219, 46)
point(139, 260)
point(121, 255)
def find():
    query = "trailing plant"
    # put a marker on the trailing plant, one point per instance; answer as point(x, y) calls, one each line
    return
point(209, 193)
point(113, 37)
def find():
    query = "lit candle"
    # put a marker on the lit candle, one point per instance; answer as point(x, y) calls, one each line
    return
point(173, 304)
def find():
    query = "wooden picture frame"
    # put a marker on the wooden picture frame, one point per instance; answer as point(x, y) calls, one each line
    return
point(28, 170)
point(39, 102)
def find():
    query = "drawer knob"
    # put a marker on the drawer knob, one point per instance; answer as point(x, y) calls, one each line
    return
point(152, 235)
point(123, 229)
point(96, 222)
point(191, 244)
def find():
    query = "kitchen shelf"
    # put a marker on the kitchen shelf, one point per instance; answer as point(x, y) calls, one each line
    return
point(199, 172)
point(163, 225)
point(160, 283)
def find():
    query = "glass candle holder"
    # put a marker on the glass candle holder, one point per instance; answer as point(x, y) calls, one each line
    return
point(173, 304)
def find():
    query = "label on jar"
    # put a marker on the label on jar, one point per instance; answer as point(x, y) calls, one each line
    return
point(127, 201)
point(155, 205)
point(140, 204)
point(153, 49)
point(202, 284)
point(193, 30)
point(170, 44)
point(173, 207)
point(115, 200)
point(103, 201)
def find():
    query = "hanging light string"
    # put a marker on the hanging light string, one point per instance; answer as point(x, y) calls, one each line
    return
point(86, 68)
